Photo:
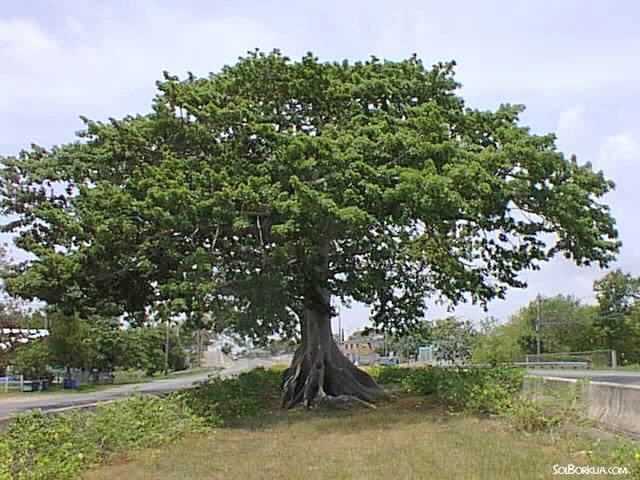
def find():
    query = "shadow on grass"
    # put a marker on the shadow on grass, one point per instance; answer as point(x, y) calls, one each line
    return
point(389, 413)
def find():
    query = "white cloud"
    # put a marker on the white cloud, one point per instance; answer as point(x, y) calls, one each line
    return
point(74, 26)
point(108, 68)
point(84, 64)
point(620, 157)
point(22, 38)
point(571, 123)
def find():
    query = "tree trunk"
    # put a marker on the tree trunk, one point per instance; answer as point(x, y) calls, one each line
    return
point(319, 369)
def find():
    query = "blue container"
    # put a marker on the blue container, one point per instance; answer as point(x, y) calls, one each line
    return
point(69, 383)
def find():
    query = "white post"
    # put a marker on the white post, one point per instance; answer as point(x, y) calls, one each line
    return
point(21, 383)
point(6, 383)
point(614, 360)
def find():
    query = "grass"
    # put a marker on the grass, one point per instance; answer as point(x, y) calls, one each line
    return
point(128, 377)
point(409, 438)
point(633, 367)
point(53, 389)
point(121, 378)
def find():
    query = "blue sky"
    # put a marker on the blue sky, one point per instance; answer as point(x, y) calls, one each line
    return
point(574, 64)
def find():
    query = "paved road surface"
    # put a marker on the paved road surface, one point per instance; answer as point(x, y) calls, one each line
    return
point(54, 402)
point(611, 376)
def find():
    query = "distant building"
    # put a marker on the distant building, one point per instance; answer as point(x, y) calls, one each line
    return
point(12, 337)
point(429, 354)
point(426, 355)
point(363, 350)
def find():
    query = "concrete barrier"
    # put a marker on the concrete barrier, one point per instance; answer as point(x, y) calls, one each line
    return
point(612, 405)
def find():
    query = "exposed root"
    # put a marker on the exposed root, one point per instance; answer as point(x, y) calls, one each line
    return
point(343, 402)
point(327, 378)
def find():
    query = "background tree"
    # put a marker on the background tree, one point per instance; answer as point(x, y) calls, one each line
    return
point(32, 359)
point(498, 343)
point(16, 316)
point(629, 345)
point(271, 186)
point(67, 345)
point(566, 326)
point(453, 340)
point(144, 349)
point(617, 294)
point(103, 344)
point(406, 343)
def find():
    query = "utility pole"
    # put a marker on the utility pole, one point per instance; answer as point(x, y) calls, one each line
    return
point(166, 348)
point(198, 347)
point(538, 324)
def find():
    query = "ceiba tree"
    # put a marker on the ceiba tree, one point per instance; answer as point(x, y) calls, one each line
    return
point(264, 190)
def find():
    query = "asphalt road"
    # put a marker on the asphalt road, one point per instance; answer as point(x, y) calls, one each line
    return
point(610, 376)
point(63, 401)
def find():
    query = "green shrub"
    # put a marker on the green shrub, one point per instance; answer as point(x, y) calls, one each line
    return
point(45, 447)
point(472, 390)
point(224, 399)
point(490, 390)
point(388, 375)
point(5, 461)
point(422, 381)
point(497, 391)
point(130, 375)
point(542, 407)
point(58, 447)
point(623, 453)
point(140, 421)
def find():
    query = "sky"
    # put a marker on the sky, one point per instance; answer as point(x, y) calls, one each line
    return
point(574, 64)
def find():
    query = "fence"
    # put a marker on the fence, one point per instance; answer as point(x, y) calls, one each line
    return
point(9, 383)
point(592, 358)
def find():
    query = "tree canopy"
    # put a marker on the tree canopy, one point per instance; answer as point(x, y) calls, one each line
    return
point(231, 181)
point(264, 189)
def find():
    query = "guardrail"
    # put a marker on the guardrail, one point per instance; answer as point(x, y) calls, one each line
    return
point(513, 364)
point(553, 364)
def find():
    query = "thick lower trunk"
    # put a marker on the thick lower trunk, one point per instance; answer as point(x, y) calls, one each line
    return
point(319, 370)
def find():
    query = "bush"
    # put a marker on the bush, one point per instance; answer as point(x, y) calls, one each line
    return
point(422, 381)
point(58, 447)
point(474, 390)
point(130, 375)
point(139, 421)
point(541, 407)
point(388, 375)
point(624, 453)
point(223, 399)
point(497, 391)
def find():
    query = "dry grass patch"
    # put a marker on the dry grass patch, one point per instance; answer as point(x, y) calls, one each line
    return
point(406, 439)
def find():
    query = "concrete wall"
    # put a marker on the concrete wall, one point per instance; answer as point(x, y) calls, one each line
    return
point(215, 358)
point(614, 406)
